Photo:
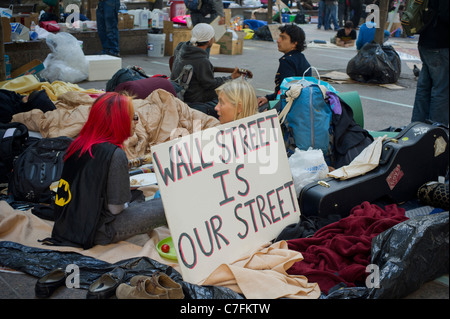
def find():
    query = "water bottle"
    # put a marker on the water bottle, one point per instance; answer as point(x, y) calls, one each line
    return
point(123, 7)
point(33, 33)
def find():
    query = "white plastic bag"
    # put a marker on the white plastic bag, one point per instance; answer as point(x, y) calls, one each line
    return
point(67, 62)
point(306, 167)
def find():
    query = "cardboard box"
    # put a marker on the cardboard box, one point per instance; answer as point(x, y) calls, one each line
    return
point(231, 46)
point(32, 67)
point(93, 14)
point(227, 15)
point(26, 19)
point(129, 21)
point(121, 22)
point(102, 67)
point(6, 29)
point(19, 32)
point(174, 36)
point(215, 49)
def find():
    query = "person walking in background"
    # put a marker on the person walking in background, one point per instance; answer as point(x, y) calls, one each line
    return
point(331, 7)
point(321, 14)
point(107, 16)
point(431, 101)
point(343, 12)
point(356, 7)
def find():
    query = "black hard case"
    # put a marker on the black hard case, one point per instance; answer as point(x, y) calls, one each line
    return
point(418, 154)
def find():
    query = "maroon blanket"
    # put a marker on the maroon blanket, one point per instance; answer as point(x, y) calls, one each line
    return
point(340, 252)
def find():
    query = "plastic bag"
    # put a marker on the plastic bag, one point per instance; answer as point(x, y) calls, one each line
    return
point(306, 167)
point(407, 255)
point(67, 62)
point(375, 64)
point(38, 262)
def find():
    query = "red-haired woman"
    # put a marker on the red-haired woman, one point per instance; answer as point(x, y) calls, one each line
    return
point(91, 204)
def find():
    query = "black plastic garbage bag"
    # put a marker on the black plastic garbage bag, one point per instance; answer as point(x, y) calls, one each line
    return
point(407, 255)
point(411, 254)
point(263, 33)
point(375, 63)
point(38, 262)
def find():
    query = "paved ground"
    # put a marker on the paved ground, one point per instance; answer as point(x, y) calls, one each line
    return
point(383, 107)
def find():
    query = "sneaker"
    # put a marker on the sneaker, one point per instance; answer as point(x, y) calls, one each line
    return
point(141, 287)
point(173, 288)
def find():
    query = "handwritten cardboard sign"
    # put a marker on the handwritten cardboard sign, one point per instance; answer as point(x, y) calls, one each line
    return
point(226, 191)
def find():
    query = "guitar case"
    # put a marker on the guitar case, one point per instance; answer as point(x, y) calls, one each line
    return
point(417, 155)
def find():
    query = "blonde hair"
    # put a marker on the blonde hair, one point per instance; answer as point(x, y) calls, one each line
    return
point(241, 92)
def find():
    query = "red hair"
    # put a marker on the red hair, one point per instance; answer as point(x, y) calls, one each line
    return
point(109, 121)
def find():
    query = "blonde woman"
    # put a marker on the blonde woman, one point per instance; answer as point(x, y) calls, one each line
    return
point(237, 100)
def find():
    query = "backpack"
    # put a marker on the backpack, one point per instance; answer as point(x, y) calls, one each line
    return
point(13, 139)
point(130, 73)
point(37, 168)
point(181, 83)
point(415, 17)
point(202, 6)
point(305, 116)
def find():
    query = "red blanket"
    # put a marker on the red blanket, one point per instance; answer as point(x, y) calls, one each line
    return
point(340, 252)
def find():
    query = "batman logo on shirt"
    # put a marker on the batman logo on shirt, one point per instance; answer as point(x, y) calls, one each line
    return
point(63, 195)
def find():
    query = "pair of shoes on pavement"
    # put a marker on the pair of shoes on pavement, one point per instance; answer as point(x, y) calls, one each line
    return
point(157, 286)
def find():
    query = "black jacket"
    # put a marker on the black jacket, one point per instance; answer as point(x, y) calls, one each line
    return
point(436, 33)
point(292, 63)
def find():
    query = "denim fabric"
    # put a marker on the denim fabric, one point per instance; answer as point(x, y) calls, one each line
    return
point(431, 102)
point(331, 14)
point(138, 218)
point(107, 20)
point(321, 14)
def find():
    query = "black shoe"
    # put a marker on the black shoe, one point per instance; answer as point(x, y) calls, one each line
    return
point(116, 54)
point(105, 286)
point(46, 285)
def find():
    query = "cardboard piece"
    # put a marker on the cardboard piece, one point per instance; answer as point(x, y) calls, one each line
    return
point(215, 49)
point(19, 32)
point(32, 67)
point(26, 19)
point(126, 21)
point(274, 31)
point(231, 46)
point(219, 29)
point(102, 67)
point(226, 191)
point(6, 29)
point(174, 36)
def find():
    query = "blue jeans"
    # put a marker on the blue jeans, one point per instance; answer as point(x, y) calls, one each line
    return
point(331, 14)
point(321, 14)
point(107, 20)
point(431, 102)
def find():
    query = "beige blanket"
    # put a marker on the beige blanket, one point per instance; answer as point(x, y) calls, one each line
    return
point(25, 228)
point(262, 275)
point(161, 117)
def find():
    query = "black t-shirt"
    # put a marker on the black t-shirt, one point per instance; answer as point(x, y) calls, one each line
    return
point(341, 35)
